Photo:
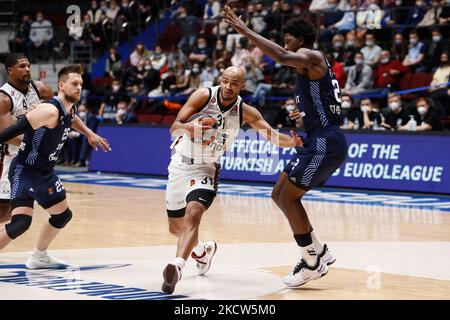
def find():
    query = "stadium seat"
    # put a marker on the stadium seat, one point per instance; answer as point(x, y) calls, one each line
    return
point(167, 120)
point(149, 118)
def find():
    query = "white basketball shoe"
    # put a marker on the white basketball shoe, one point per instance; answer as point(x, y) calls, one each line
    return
point(302, 273)
point(326, 255)
point(44, 261)
point(204, 261)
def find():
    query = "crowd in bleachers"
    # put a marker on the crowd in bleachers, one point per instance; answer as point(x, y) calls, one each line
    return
point(375, 48)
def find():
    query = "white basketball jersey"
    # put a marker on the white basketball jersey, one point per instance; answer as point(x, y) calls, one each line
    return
point(228, 119)
point(22, 102)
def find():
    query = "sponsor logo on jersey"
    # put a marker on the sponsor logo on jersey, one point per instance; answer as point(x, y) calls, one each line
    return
point(50, 191)
point(233, 111)
point(192, 182)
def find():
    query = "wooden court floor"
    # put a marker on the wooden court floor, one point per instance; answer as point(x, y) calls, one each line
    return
point(121, 217)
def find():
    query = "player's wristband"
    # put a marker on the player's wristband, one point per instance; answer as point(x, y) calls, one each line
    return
point(15, 130)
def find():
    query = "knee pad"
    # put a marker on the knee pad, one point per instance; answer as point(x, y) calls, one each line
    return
point(18, 225)
point(59, 221)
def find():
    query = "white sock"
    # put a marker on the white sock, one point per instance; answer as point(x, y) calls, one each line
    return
point(199, 249)
point(318, 245)
point(179, 262)
point(39, 254)
point(309, 255)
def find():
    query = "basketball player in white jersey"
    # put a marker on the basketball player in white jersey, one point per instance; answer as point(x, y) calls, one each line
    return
point(18, 96)
point(193, 170)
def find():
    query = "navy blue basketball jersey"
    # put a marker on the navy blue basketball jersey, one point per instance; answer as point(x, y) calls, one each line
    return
point(41, 147)
point(319, 101)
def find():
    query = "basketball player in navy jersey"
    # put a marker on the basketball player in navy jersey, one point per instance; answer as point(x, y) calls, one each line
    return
point(32, 175)
point(319, 103)
point(17, 97)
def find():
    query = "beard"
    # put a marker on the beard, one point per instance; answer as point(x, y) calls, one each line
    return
point(72, 99)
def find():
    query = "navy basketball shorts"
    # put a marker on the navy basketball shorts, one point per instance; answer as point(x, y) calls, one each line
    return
point(324, 151)
point(29, 184)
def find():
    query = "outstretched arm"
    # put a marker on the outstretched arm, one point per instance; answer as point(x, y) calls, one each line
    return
point(94, 140)
point(303, 58)
point(254, 118)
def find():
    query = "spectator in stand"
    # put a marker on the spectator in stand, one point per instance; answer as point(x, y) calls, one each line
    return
point(194, 79)
point(437, 46)
point(208, 74)
point(212, 10)
point(152, 78)
point(220, 53)
point(201, 52)
point(389, 71)
point(188, 26)
point(369, 18)
point(92, 34)
point(182, 76)
point(134, 76)
point(255, 53)
point(347, 22)
point(359, 78)
point(158, 59)
point(273, 18)
point(22, 36)
point(258, 23)
point(320, 5)
point(283, 84)
point(338, 49)
point(123, 115)
point(416, 13)
point(444, 18)
point(88, 87)
point(352, 46)
point(399, 48)
point(253, 76)
point(426, 119)
point(113, 64)
point(373, 118)
point(41, 35)
point(240, 53)
point(140, 53)
point(282, 119)
point(352, 116)
point(440, 90)
point(416, 53)
point(108, 107)
point(431, 17)
point(371, 51)
point(95, 12)
point(396, 115)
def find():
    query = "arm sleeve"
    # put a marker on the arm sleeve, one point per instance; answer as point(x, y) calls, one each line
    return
point(20, 127)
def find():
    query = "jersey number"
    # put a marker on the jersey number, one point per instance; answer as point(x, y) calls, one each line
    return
point(219, 120)
point(205, 180)
point(337, 91)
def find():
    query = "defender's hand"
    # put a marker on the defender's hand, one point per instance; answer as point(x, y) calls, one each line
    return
point(232, 19)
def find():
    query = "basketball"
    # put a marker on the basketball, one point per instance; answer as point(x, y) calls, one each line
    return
point(204, 119)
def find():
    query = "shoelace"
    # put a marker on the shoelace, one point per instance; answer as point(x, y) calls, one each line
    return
point(299, 266)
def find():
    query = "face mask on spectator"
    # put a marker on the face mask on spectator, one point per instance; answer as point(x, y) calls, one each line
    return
point(384, 60)
point(394, 105)
point(359, 61)
point(398, 42)
point(82, 115)
point(346, 104)
point(202, 46)
point(277, 65)
point(148, 67)
point(398, 2)
point(437, 38)
point(413, 41)
point(121, 112)
point(419, 3)
point(115, 88)
point(195, 70)
point(422, 110)
point(370, 43)
point(350, 43)
point(338, 44)
point(365, 108)
point(219, 47)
